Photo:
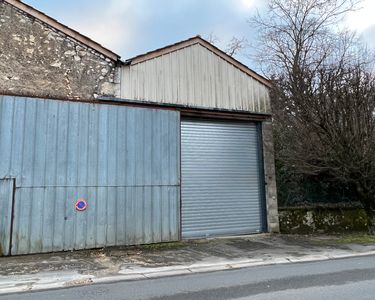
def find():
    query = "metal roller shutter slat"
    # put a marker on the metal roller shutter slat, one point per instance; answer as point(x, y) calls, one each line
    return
point(220, 185)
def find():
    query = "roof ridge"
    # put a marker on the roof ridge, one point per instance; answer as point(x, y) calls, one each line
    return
point(197, 39)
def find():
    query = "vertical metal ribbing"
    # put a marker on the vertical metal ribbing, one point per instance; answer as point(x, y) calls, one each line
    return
point(221, 184)
point(123, 160)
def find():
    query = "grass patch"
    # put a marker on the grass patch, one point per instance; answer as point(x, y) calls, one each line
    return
point(360, 238)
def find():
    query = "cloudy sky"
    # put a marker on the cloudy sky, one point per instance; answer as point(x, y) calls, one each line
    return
point(131, 27)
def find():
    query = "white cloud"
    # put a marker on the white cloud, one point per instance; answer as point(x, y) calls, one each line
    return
point(119, 6)
point(363, 18)
point(112, 33)
point(129, 27)
point(114, 26)
point(248, 4)
point(363, 22)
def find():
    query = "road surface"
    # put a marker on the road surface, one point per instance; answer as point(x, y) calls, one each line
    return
point(351, 278)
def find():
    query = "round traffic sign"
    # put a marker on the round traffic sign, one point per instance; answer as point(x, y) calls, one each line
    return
point(81, 205)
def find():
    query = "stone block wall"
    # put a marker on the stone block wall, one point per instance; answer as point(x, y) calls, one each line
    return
point(36, 60)
point(270, 177)
point(305, 220)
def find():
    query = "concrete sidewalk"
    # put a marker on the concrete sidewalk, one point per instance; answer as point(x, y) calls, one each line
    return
point(45, 271)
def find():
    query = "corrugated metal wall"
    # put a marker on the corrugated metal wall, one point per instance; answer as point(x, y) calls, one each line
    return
point(124, 161)
point(6, 197)
point(221, 185)
point(196, 77)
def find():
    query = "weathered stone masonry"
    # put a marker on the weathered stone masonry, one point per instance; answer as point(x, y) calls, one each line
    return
point(270, 177)
point(37, 60)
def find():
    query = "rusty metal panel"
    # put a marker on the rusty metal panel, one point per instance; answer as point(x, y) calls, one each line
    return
point(194, 77)
point(123, 160)
point(6, 197)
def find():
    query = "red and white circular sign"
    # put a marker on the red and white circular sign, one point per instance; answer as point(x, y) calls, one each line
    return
point(81, 205)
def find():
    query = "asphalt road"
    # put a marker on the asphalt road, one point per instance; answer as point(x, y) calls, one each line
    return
point(351, 278)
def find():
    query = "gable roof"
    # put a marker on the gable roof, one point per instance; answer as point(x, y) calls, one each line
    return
point(63, 28)
point(193, 41)
point(139, 58)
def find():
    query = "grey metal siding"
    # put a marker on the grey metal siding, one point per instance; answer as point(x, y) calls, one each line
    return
point(221, 187)
point(194, 77)
point(123, 160)
point(6, 196)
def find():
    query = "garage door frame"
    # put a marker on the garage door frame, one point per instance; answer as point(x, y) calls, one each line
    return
point(260, 159)
point(262, 179)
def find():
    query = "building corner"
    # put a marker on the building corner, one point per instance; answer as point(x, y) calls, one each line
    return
point(270, 178)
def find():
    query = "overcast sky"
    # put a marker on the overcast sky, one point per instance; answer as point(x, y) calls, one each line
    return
point(131, 27)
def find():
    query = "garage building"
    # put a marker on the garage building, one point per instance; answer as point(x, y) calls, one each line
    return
point(181, 149)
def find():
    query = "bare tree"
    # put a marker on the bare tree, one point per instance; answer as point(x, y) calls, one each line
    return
point(236, 45)
point(212, 38)
point(323, 93)
point(299, 34)
point(233, 47)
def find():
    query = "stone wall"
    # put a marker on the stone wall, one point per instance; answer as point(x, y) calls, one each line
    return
point(322, 220)
point(270, 177)
point(36, 60)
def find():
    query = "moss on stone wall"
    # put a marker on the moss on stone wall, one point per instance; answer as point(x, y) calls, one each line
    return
point(328, 220)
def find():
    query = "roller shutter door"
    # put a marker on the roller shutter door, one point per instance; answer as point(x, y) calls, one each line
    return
point(221, 182)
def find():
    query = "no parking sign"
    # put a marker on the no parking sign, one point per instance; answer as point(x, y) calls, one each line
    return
point(81, 205)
